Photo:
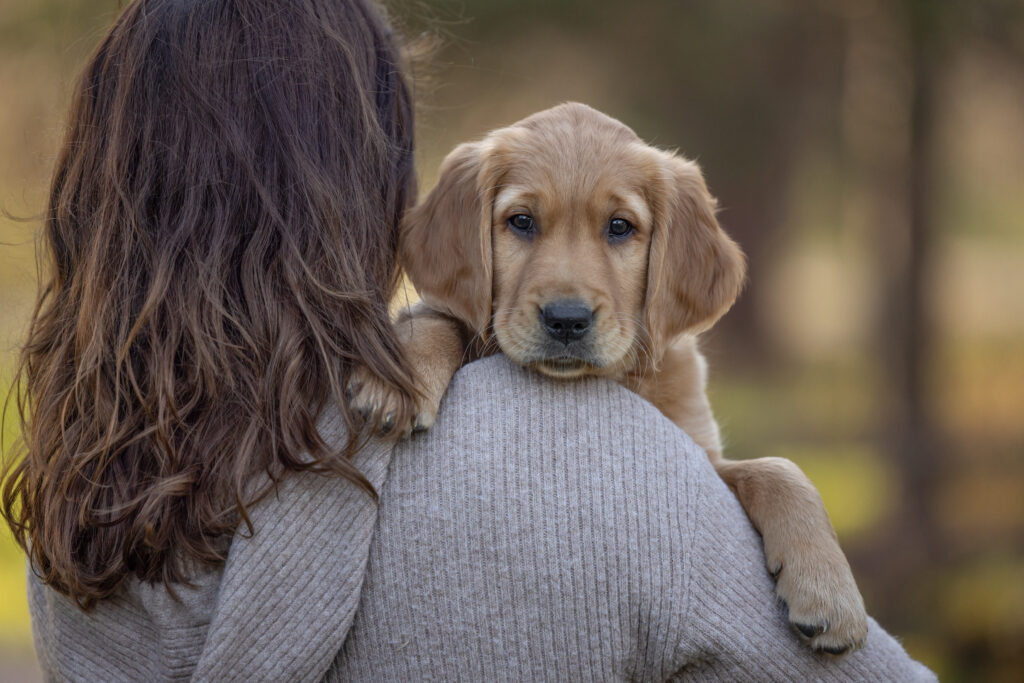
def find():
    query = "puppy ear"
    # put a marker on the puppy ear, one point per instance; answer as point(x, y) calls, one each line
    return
point(445, 241)
point(695, 271)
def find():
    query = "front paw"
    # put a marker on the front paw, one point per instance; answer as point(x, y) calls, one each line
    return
point(825, 607)
point(384, 409)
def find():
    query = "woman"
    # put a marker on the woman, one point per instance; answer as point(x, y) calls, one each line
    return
point(222, 233)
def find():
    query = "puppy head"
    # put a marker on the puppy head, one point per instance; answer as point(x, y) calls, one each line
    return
point(579, 246)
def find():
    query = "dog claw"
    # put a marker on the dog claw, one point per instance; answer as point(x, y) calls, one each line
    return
point(422, 421)
point(835, 650)
point(810, 630)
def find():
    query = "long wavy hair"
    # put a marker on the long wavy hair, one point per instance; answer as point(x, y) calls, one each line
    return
point(220, 241)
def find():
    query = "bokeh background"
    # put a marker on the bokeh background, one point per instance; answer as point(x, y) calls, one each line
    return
point(869, 157)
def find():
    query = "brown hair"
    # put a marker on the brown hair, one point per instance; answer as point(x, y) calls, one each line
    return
point(221, 235)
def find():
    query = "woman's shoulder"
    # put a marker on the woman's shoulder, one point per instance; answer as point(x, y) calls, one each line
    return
point(532, 510)
point(514, 434)
point(546, 529)
point(591, 416)
point(532, 447)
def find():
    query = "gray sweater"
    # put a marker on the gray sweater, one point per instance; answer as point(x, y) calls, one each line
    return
point(541, 531)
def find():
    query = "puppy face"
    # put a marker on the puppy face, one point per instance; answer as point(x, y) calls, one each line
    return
point(583, 250)
point(571, 223)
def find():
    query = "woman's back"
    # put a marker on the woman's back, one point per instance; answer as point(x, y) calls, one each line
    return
point(540, 531)
point(567, 531)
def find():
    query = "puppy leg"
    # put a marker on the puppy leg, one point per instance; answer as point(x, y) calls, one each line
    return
point(435, 348)
point(801, 550)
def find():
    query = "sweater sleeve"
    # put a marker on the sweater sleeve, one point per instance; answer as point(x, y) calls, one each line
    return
point(289, 592)
point(738, 631)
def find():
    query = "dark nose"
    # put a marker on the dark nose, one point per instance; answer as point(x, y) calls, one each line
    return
point(567, 320)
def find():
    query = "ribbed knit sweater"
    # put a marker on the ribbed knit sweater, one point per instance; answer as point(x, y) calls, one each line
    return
point(541, 531)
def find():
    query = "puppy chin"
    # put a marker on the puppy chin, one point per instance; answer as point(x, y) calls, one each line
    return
point(563, 368)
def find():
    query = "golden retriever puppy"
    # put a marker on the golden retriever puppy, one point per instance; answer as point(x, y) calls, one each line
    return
point(570, 245)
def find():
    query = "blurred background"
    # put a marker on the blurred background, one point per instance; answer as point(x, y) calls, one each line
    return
point(867, 155)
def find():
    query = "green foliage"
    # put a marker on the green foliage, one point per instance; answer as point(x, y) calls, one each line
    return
point(14, 622)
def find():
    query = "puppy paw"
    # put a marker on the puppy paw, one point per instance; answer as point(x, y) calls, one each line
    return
point(825, 607)
point(384, 409)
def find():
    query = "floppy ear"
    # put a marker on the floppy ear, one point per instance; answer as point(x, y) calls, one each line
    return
point(445, 241)
point(695, 271)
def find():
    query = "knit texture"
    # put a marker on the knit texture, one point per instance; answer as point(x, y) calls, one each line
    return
point(540, 531)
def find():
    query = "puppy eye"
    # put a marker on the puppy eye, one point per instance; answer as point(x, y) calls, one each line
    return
point(522, 223)
point(619, 228)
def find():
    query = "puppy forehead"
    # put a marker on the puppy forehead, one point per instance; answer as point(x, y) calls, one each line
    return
point(550, 174)
point(571, 154)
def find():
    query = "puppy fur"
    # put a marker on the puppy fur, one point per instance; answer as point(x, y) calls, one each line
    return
point(563, 292)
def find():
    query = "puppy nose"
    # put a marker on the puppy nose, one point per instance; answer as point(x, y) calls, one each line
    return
point(567, 320)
